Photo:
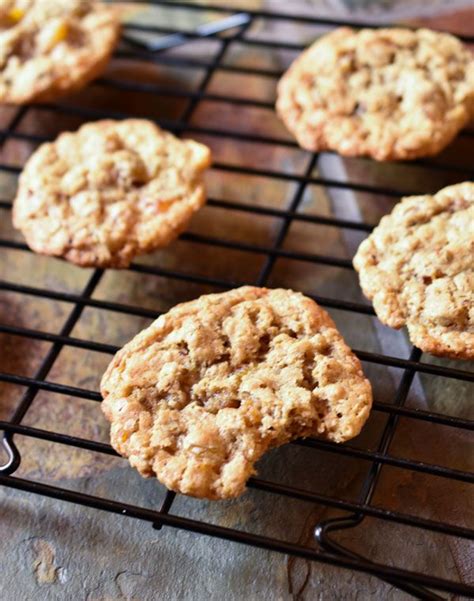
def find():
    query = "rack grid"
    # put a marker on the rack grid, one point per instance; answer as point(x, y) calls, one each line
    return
point(328, 551)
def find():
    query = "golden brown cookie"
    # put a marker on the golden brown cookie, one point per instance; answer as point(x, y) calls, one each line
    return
point(51, 47)
point(386, 93)
point(417, 268)
point(110, 191)
point(200, 395)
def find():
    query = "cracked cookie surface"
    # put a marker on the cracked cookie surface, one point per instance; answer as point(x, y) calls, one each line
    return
point(49, 48)
point(110, 191)
point(417, 267)
point(387, 93)
point(200, 395)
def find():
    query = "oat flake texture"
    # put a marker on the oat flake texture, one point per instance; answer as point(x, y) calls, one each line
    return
point(387, 93)
point(417, 267)
point(49, 48)
point(200, 395)
point(110, 191)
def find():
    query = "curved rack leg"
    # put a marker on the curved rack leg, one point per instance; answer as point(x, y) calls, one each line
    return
point(13, 456)
point(321, 533)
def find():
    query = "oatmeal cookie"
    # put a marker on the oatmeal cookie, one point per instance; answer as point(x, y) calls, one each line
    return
point(387, 93)
point(417, 268)
point(110, 191)
point(52, 47)
point(200, 395)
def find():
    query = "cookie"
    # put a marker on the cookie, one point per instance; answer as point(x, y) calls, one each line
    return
point(49, 48)
point(200, 395)
point(386, 93)
point(417, 267)
point(108, 192)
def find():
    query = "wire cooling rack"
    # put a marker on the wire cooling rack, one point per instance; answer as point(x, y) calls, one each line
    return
point(352, 513)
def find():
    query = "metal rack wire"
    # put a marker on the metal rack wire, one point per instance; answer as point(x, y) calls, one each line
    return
point(355, 511)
